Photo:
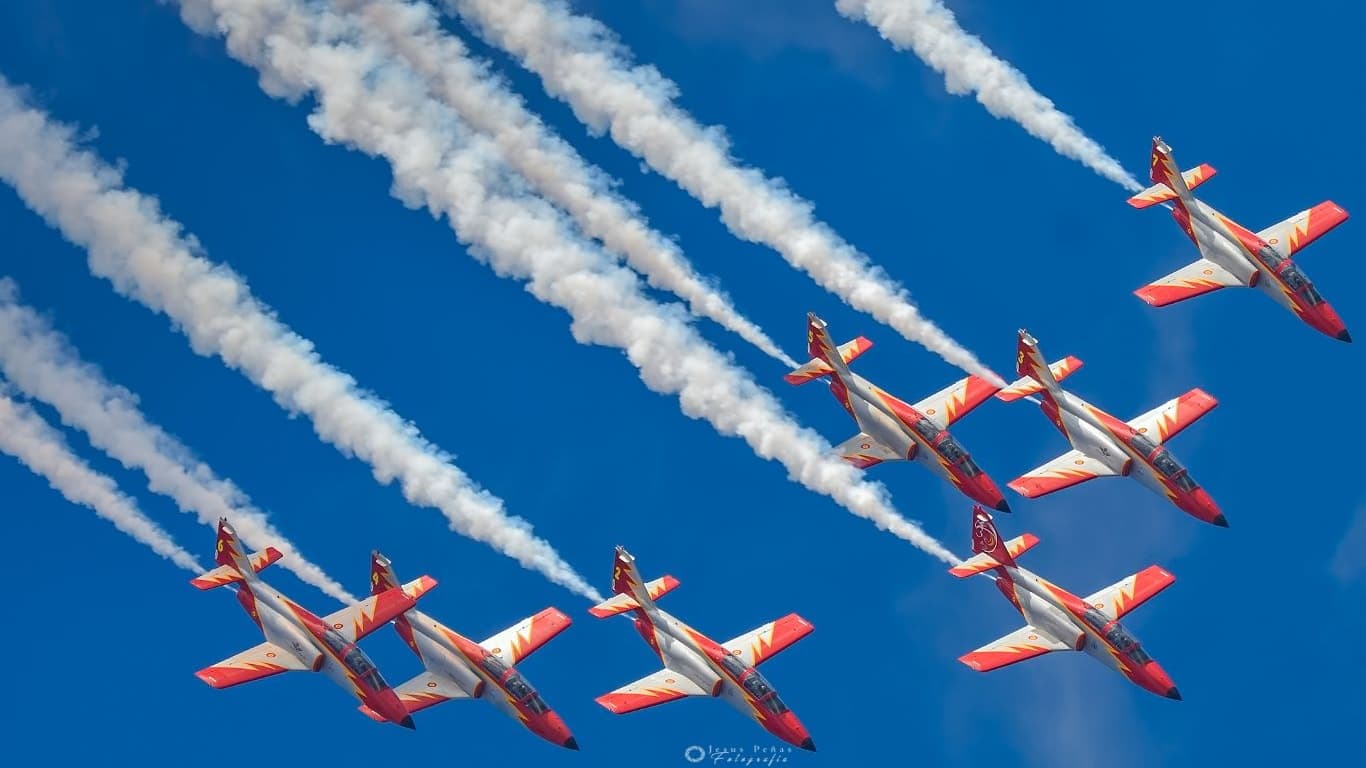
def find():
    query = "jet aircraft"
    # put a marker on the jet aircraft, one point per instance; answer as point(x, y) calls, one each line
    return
point(696, 665)
point(460, 668)
point(1057, 620)
point(297, 639)
point(1104, 446)
point(1231, 255)
point(892, 430)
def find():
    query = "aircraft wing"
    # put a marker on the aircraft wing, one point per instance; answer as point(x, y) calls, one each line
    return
point(356, 621)
point(1024, 643)
point(1290, 236)
point(521, 639)
point(863, 451)
point(1176, 414)
point(763, 643)
point(956, 400)
point(652, 690)
point(254, 663)
point(1069, 469)
point(1195, 279)
point(1118, 599)
point(426, 690)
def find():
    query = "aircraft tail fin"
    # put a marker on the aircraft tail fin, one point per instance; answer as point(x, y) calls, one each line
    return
point(1036, 376)
point(382, 576)
point(823, 352)
point(1169, 183)
point(234, 563)
point(990, 550)
point(632, 592)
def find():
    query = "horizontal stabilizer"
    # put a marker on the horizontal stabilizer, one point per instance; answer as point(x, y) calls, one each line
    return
point(1161, 193)
point(763, 643)
point(984, 562)
point(1290, 236)
point(1166, 420)
point(623, 603)
point(661, 687)
point(1071, 468)
point(863, 451)
point(1119, 599)
point(1026, 386)
point(227, 574)
point(1024, 643)
point(426, 690)
point(523, 638)
point(817, 367)
point(255, 663)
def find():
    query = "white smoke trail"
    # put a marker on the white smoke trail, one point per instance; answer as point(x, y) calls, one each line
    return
point(27, 437)
point(42, 364)
point(145, 255)
point(378, 106)
point(930, 29)
point(557, 171)
point(579, 61)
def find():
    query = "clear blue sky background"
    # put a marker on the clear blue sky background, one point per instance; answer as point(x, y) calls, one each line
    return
point(988, 227)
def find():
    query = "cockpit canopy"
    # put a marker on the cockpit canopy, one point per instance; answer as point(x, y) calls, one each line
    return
point(1117, 636)
point(354, 659)
point(513, 682)
point(947, 447)
point(754, 683)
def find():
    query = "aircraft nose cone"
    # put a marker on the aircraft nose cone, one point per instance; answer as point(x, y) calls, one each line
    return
point(570, 743)
point(808, 744)
point(1345, 336)
point(1002, 506)
point(1172, 693)
point(407, 722)
point(1220, 521)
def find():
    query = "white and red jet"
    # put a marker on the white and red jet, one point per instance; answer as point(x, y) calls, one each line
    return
point(298, 640)
point(1104, 446)
point(460, 668)
point(892, 430)
point(1058, 620)
point(696, 665)
point(1234, 256)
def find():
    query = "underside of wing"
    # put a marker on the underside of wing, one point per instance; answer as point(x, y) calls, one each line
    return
point(1024, 643)
point(1194, 279)
point(1292, 235)
point(1176, 414)
point(254, 663)
point(864, 451)
point(1069, 469)
point(763, 643)
point(956, 400)
point(1122, 597)
point(426, 690)
point(521, 639)
point(650, 691)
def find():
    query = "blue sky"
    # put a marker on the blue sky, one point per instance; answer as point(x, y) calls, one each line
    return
point(989, 229)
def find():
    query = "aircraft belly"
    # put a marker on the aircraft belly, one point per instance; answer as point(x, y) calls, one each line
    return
point(1094, 442)
point(1047, 618)
point(1217, 248)
point(282, 632)
point(682, 659)
point(337, 674)
point(880, 426)
point(448, 664)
